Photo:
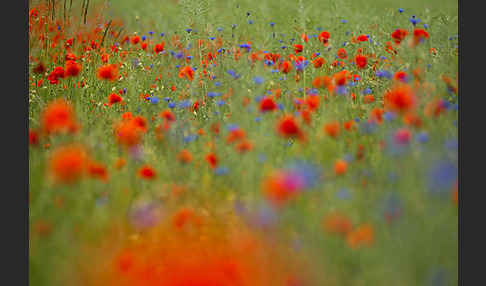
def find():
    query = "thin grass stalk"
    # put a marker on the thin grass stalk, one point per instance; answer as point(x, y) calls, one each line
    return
point(104, 34)
point(86, 11)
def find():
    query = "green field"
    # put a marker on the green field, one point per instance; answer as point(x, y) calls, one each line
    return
point(338, 174)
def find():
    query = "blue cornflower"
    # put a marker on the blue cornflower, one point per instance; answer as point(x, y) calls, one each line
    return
point(384, 73)
point(221, 171)
point(144, 38)
point(389, 116)
point(151, 33)
point(212, 94)
point(414, 20)
point(258, 80)
point(172, 105)
point(301, 65)
point(188, 30)
point(441, 176)
point(217, 83)
point(232, 127)
point(167, 98)
point(219, 29)
point(366, 91)
point(423, 137)
point(154, 100)
point(220, 102)
point(343, 194)
point(341, 90)
point(272, 24)
point(162, 34)
point(190, 138)
point(344, 21)
point(212, 38)
point(400, 10)
point(250, 22)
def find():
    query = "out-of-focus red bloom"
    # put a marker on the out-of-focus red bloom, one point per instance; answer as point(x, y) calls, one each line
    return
point(68, 164)
point(298, 48)
point(419, 35)
point(342, 54)
point(369, 98)
point(33, 137)
point(332, 129)
point(244, 146)
point(324, 37)
point(362, 38)
point(55, 75)
point(184, 156)
point(287, 127)
point(97, 170)
point(267, 104)
point(58, 117)
point(340, 167)
point(318, 62)
point(401, 76)
point(114, 98)
point(108, 72)
point(146, 172)
point(39, 68)
point(401, 99)
point(361, 236)
point(212, 160)
point(168, 115)
point(285, 67)
point(128, 133)
point(236, 134)
point(135, 40)
point(159, 47)
point(376, 115)
point(187, 72)
point(361, 61)
point(337, 223)
point(72, 68)
point(399, 35)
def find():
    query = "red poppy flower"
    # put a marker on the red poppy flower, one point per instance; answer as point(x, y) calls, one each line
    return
point(114, 98)
point(401, 98)
point(39, 68)
point(285, 67)
point(398, 35)
point(72, 68)
point(318, 62)
point(288, 127)
point(159, 47)
point(33, 137)
point(212, 159)
point(135, 40)
point(55, 75)
point(419, 35)
point(362, 38)
point(146, 172)
point(67, 164)
point(324, 37)
point(361, 61)
point(298, 48)
point(267, 104)
point(187, 72)
point(58, 117)
point(332, 129)
point(108, 72)
point(342, 54)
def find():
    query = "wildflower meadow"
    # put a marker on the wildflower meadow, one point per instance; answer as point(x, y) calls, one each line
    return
point(243, 143)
